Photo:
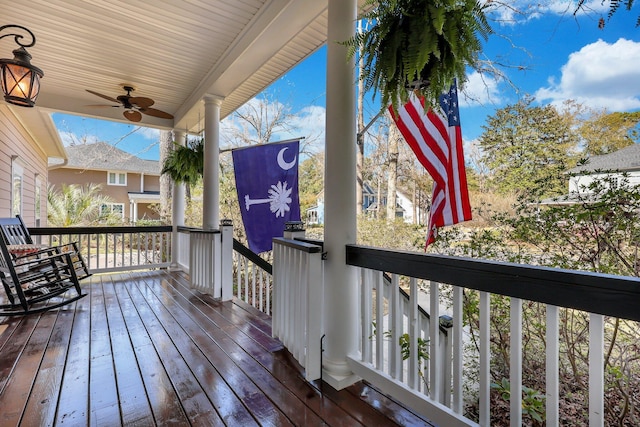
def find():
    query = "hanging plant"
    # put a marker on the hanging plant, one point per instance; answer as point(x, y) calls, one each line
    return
point(419, 45)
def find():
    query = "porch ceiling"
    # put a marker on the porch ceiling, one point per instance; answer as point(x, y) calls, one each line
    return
point(174, 52)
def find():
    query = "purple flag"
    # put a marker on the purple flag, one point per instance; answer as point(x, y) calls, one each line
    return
point(267, 184)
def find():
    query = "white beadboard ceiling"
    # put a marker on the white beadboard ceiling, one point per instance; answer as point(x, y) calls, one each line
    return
point(173, 51)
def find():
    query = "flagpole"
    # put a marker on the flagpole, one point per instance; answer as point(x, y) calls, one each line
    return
point(360, 135)
point(286, 141)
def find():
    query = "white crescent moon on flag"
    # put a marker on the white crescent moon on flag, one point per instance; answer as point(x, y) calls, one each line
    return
point(282, 163)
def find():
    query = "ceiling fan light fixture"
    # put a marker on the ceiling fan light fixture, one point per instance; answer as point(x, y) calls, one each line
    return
point(19, 79)
point(132, 115)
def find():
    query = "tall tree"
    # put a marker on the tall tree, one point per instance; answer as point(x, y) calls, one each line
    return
point(166, 139)
point(360, 130)
point(605, 132)
point(311, 180)
point(526, 148)
point(392, 174)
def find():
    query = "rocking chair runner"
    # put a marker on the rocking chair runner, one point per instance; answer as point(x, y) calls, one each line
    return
point(38, 279)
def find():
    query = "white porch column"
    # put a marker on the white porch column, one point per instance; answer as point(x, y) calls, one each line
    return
point(178, 206)
point(211, 175)
point(134, 218)
point(340, 318)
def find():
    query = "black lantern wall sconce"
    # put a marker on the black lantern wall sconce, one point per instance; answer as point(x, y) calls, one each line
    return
point(19, 79)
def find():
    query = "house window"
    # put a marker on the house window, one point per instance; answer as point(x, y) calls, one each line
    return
point(116, 178)
point(116, 209)
point(17, 172)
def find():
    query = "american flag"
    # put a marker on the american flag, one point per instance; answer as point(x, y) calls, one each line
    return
point(436, 140)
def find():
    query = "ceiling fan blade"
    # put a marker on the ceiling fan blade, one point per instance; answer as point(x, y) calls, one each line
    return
point(103, 106)
point(132, 115)
point(156, 113)
point(102, 96)
point(141, 101)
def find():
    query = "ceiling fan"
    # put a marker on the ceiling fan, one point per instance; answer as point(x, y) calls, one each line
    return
point(134, 105)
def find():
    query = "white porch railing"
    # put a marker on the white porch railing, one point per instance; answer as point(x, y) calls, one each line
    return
point(210, 261)
point(416, 381)
point(111, 249)
point(298, 302)
point(181, 255)
point(252, 278)
point(398, 336)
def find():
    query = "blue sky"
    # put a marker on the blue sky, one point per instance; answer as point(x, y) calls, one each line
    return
point(551, 54)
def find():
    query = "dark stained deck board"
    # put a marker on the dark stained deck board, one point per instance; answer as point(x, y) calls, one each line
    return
point(18, 387)
point(132, 396)
point(198, 408)
point(163, 399)
point(217, 344)
point(263, 409)
point(224, 400)
point(103, 390)
point(145, 349)
point(281, 367)
point(42, 412)
point(73, 401)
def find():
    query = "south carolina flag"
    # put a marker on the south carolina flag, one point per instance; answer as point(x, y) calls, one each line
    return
point(436, 140)
point(267, 185)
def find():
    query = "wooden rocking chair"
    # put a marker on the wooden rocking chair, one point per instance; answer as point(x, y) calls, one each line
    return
point(36, 279)
point(14, 232)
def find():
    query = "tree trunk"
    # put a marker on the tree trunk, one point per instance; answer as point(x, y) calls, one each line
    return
point(360, 139)
point(379, 203)
point(166, 139)
point(392, 177)
point(414, 201)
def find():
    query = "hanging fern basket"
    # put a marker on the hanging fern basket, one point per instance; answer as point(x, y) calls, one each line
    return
point(418, 45)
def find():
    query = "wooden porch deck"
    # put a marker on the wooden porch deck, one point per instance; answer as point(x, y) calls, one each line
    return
point(142, 349)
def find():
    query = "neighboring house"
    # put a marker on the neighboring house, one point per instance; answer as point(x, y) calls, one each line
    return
point(315, 214)
point(625, 160)
point(404, 206)
point(611, 166)
point(131, 182)
point(28, 141)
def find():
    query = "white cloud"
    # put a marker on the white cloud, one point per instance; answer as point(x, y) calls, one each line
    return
point(479, 90)
point(600, 75)
point(149, 133)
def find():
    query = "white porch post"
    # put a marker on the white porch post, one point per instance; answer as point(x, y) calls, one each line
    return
point(178, 206)
point(340, 280)
point(134, 217)
point(211, 175)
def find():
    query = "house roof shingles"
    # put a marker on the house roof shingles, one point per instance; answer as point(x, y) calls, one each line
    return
point(625, 159)
point(103, 156)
